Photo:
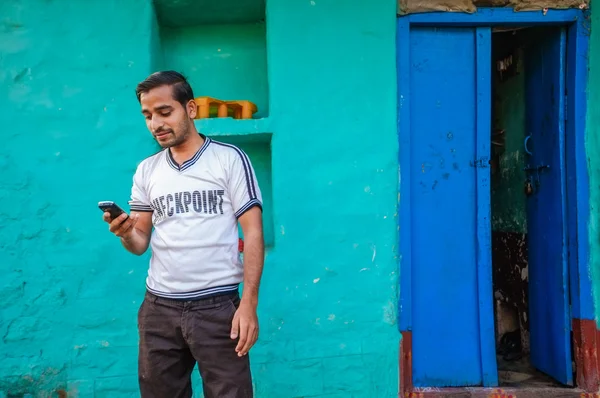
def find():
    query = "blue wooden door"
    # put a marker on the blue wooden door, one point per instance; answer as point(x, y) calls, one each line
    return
point(444, 100)
point(549, 315)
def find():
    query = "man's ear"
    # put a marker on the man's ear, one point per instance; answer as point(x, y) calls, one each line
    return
point(192, 109)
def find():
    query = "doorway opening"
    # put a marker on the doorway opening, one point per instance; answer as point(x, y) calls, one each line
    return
point(524, 187)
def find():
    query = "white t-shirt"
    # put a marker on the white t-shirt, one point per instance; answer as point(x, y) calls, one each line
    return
point(195, 206)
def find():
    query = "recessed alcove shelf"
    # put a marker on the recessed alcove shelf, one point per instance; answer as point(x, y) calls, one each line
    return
point(219, 46)
point(258, 148)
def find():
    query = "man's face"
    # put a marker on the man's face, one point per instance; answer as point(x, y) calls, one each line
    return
point(167, 120)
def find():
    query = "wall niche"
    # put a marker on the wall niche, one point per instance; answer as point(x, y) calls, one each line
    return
point(221, 47)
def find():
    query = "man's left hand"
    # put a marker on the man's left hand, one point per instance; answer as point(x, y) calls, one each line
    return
point(245, 325)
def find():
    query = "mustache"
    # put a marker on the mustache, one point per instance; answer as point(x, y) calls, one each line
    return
point(161, 130)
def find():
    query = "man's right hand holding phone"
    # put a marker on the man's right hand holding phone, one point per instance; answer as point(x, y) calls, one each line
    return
point(133, 230)
point(122, 226)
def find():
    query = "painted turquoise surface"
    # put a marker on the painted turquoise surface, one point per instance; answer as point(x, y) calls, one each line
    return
point(73, 135)
point(223, 61)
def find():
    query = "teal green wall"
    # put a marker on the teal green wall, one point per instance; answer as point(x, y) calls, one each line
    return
point(69, 293)
point(224, 61)
point(73, 135)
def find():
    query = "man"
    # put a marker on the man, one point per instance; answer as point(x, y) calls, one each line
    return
point(186, 202)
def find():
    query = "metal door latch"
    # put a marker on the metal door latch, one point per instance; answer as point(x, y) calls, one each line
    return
point(535, 171)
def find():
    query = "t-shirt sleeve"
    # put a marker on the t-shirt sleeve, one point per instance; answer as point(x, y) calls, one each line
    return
point(245, 192)
point(139, 197)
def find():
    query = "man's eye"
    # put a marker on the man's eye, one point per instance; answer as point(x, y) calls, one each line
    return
point(165, 114)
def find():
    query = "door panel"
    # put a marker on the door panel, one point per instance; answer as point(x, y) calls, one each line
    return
point(444, 232)
point(549, 314)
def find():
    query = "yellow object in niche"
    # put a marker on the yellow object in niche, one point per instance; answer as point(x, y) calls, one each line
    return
point(209, 107)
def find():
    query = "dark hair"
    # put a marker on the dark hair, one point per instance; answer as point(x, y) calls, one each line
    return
point(182, 92)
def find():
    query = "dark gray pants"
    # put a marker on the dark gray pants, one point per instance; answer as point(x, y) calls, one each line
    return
point(175, 335)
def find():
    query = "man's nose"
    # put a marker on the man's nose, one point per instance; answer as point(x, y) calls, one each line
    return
point(156, 123)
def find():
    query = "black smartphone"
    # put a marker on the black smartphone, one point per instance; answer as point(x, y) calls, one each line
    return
point(111, 207)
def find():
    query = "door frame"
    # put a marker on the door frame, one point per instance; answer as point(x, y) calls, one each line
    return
point(582, 310)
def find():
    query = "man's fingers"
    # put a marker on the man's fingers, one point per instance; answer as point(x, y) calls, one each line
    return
point(252, 337)
point(243, 336)
point(235, 326)
point(125, 228)
point(106, 217)
point(245, 326)
point(119, 223)
point(128, 225)
point(116, 223)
